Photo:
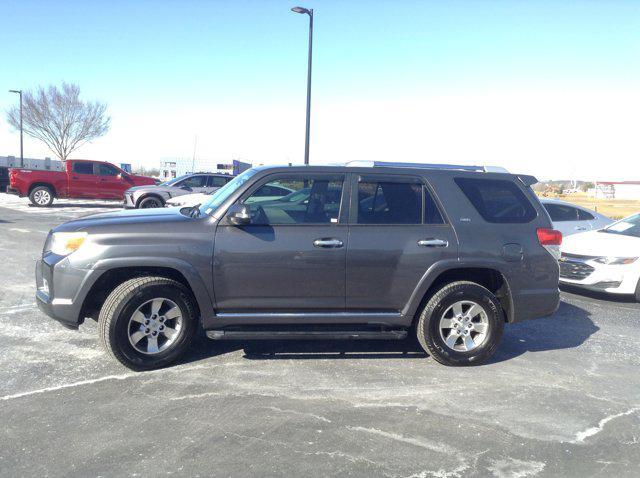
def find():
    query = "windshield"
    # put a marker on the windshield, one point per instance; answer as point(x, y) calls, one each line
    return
point(171, 182)
point(220, 195)
point(629, 226)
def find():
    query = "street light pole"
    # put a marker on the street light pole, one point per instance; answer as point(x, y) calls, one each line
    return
point(21, 151)
point(306, 139)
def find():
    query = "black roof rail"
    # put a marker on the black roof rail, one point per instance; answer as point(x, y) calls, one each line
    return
point(459, 167)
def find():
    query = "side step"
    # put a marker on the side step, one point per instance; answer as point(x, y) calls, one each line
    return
point(397, 334)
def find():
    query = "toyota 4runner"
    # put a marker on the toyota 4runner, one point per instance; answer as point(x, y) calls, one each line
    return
point(449, 253)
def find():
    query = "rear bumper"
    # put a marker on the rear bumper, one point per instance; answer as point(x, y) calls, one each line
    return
point(535, 304)
point(11, 190)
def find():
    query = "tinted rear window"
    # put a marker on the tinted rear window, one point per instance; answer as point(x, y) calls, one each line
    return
point(560, 212)
point(497, 200)
point(83, 168)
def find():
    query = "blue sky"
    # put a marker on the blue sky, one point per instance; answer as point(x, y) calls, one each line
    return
point(233, 73)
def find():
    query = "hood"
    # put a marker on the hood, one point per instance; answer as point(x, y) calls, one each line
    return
point(138, 177)
point(133, 217)
point(149, 187)
point(597, 243)
point(189, 199)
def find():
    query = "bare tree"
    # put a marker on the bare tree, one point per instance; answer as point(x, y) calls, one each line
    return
point(60, 119)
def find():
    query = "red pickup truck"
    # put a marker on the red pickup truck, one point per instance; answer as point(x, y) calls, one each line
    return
point(81, 179)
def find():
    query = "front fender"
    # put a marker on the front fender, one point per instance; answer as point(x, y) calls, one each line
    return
point(189, 272)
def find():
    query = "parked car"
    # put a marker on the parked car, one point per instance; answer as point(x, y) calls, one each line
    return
point(267, 193)
point(81, 179)
point(571, 219)
point(604, 260)
point(449, 254)
point(157, 195)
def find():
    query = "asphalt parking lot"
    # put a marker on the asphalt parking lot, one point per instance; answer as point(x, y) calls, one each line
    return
point(560, 398)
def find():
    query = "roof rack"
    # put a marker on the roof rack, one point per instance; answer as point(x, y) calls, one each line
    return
point(459, 167)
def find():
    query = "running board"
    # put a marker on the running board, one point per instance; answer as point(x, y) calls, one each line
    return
point(306, 335)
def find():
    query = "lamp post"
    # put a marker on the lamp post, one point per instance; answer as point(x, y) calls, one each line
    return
point(307, 11)
point(21, 152)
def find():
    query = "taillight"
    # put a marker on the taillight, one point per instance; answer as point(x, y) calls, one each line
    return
point(549, 237)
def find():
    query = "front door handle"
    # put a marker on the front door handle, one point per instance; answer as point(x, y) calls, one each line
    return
point(328, 243)
point(580, 228)
point(433, 243)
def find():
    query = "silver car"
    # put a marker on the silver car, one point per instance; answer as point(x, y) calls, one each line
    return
point(156, 196)
point(571, 219)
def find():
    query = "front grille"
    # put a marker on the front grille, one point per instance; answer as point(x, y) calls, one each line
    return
point(575, 270)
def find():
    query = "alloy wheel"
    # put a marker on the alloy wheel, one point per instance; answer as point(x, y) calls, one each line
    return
point(155, 326)
point(464, 326)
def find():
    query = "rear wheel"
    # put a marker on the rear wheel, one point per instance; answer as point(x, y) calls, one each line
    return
point(638, 291)
point(150, 202)
point(461, 324)
point(147, 322)
point(41, 196)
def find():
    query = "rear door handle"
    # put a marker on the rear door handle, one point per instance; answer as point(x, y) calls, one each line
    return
point(580, 228)
point(328, 243)
point(433, 243)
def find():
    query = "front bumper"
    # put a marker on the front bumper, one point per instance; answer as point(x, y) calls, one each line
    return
point(129, 201)
point(588, 274)
point(61, 289)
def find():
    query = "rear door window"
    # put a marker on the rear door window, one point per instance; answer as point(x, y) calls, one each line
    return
point(561, 212)
point(83, 168)
point(497, 200)
point(585, 215)
point(217, 181)
point(396, 202)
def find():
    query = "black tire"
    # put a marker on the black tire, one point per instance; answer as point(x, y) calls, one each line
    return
point(41, 196)
point(428, 326)
point(638, 291)
point(150, 202)
point(117, 310)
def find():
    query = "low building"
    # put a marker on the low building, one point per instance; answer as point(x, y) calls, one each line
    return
point(174, 167)
point(616, 190)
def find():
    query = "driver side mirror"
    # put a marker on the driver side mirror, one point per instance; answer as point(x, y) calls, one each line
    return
point(239, 214)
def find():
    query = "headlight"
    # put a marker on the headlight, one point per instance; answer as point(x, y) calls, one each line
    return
point(64, 243)
point(615, 260)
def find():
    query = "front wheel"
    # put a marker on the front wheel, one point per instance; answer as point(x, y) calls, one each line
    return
point(147, 322)
point(150, 202)
point(41, 196)
point(461, 324)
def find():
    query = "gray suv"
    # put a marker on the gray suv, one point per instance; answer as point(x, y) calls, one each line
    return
point(156, 195)
point(444, 253)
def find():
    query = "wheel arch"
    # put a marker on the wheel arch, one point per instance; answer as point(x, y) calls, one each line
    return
point(488, 276)
point(51, 187)
point(118, 273)
point(149, 195)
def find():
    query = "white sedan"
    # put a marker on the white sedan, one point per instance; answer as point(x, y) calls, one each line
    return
point(606, 260)
point(188, 200)
point(571, 219)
